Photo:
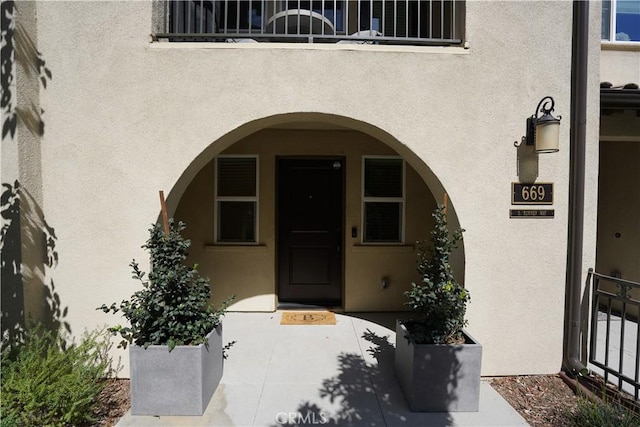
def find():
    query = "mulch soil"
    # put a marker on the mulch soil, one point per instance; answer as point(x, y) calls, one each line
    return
point(542, 400)
point(114, 403)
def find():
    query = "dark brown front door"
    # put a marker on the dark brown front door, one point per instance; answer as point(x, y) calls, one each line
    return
point(310, 211)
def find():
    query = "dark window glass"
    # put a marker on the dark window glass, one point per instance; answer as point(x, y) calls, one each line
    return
point(382, 222)
point(333, 11)
point(237, 221)
point(192, 16)
point(207, 16)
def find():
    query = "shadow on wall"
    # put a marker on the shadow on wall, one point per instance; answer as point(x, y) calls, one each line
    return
point(27, 241)
point(18, 46)
point(527, 163)
point(27, 288)
point(348, 397)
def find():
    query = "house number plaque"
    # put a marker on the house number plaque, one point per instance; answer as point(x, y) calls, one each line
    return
point(531, 213)
point(540, 193)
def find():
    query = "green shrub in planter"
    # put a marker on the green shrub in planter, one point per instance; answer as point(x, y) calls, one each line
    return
point(172, 308)
point(439, 300)
point(437, 364)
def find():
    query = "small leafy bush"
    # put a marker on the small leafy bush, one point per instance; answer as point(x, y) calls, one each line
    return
point(54, 383)
point(172, 308)
point(439, 299)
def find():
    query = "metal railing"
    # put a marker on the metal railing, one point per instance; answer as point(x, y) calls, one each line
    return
point(614, 344)
point(421, 22)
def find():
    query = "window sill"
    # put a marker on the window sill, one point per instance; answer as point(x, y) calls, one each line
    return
point(383, 248)
point(248, 247)
point(628, 46)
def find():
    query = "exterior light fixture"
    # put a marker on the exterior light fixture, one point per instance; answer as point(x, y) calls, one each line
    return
point(543, 132)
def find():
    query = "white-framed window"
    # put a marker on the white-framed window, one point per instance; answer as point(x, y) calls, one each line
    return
point(621, 20)
point(383, 195)
point(236, 199)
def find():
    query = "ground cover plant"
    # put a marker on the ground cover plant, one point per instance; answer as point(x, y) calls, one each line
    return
point(601, 404)
point(604, 414)
point(51, 381)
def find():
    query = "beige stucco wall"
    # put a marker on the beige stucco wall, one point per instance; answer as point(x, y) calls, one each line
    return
point(249, 272)
point(620, 63)
point(126, 117)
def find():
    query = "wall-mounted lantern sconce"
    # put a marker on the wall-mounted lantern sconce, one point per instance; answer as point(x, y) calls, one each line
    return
point(543, 132)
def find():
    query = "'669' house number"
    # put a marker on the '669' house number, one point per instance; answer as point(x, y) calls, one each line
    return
point(540, 193)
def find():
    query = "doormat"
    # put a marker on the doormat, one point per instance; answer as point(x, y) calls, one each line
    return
point(308, 318)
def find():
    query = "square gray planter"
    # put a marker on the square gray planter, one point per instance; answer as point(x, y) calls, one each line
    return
point(438, 377)
point(176, 382)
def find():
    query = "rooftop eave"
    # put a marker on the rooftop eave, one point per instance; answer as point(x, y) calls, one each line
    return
point(620, 99)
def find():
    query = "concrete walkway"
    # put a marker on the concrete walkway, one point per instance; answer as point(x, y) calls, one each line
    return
point(342, 374)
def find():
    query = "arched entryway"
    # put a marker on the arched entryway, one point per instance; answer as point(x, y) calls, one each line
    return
point(309, 209)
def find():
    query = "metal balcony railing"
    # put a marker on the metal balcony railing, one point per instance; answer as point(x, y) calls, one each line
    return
point(411, 22)
point(614, 344)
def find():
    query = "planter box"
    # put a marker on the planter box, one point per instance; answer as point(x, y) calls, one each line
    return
point(438, 377)
point(180, 382)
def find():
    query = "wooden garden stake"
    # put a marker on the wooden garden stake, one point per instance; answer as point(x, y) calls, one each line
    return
point(165, 217)
point(444, 203)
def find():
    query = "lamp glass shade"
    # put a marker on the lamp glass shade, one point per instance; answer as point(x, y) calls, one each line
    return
point(547, 136)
